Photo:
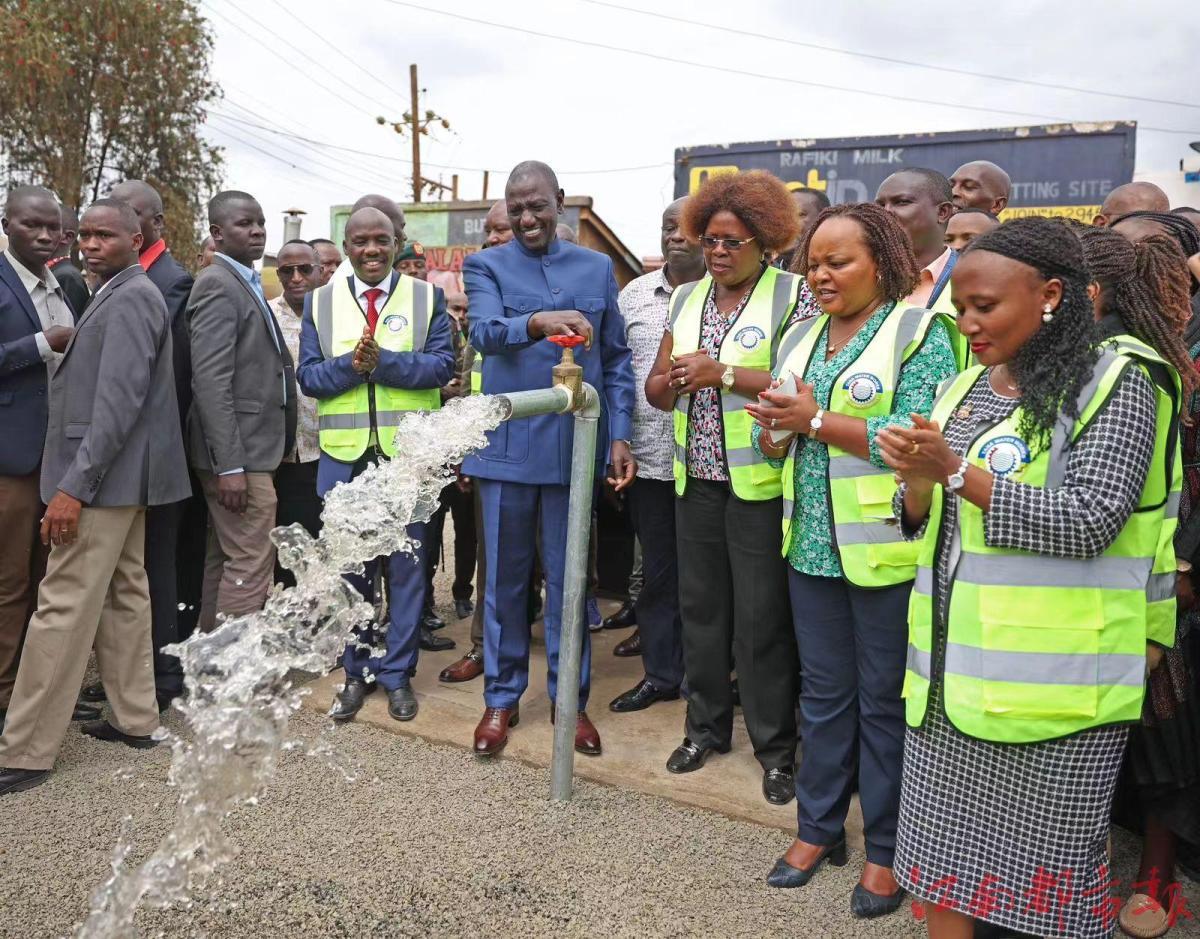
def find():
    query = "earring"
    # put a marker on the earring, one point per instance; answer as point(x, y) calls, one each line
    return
point(1047, 313)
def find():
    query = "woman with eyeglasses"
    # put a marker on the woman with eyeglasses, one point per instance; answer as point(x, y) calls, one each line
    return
point(715, 357)
point(868, 361)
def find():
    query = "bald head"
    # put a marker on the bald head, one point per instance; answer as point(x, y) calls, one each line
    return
point(23, 195)
point(1132, 197)
point(981, 184)
point(534, 168)
point(146, 204)
point(389, 208)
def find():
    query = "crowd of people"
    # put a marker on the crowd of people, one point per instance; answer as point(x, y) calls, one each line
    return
point(910, 486)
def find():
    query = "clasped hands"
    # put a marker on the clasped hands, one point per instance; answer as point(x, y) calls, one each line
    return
point(365, 357)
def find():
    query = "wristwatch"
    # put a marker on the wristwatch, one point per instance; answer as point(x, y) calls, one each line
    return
point(727, 378)
point(956, 480)
point(817, 422)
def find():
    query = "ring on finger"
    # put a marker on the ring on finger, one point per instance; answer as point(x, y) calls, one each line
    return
point(774, 422)
point(916, 447)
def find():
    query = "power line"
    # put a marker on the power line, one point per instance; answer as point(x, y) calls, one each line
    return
point(459, 169)
point(275, 156)
point(659, 57)
point(290, 64)
point(885, 58)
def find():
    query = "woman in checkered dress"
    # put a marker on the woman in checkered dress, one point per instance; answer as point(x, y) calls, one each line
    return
point(1015, 834)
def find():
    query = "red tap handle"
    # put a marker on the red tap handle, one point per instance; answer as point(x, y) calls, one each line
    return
point(567, 342)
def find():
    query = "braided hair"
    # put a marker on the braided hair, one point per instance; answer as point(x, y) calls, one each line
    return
point(886, 240)
point(1179, 227)
point(1146, 286)
point(1057, 360)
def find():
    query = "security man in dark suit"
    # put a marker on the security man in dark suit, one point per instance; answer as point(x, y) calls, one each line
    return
point(35, 326)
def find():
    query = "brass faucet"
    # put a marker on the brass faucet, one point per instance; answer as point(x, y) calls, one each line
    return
point(569, 372)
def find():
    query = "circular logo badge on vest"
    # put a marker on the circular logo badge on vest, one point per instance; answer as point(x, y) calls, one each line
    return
point(862, 388)
point(395, 322)
point(1004, 455)
point(748, 337)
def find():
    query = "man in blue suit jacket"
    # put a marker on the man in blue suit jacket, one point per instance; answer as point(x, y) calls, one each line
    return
point(533, 287)
point(370, 246)
point(35, 326)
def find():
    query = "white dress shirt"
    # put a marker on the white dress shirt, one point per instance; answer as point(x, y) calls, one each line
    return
point(48, 302)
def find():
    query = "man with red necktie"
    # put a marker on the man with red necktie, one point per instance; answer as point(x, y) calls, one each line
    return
point(374, 346)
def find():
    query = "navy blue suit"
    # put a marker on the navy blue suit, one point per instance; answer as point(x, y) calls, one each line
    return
point(320, 377)
point(525, 470)
point(23, 378)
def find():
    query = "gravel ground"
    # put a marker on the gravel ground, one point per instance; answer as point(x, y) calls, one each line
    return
point(427, 841)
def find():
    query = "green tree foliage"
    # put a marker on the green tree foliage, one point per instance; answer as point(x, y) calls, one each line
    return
point(96, 91)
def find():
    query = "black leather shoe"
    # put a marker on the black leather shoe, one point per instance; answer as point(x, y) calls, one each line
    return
point(349, 700)
point(623, 618)
point(432, 643)
point(402, 703)
point(463, 608)
point(430, 620)
point(867, 905)
point(784, 875)
point(92, 693)
point(641, 697)
point(103, 730)
point(779, 786)
point(18, 780)
point(85, 712)
point(689, 757)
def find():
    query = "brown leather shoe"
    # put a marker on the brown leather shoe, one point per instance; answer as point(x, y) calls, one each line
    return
point(468, 667)
point(587, 738)
point(629, 646)
point(491, 734)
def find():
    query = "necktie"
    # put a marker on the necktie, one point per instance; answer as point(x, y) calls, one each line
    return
point(372, 314)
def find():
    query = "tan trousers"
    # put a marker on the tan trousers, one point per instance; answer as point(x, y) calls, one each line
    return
point(239, 565)
point(94, 592)
point(22, 564)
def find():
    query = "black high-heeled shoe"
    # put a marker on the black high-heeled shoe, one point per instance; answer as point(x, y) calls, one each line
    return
point(784, 875)
point(867, 905)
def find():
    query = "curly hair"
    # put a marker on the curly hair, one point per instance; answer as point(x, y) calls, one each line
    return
point(886, 240)
point(1057, 360)
point(1146, 286)
point(761, 201)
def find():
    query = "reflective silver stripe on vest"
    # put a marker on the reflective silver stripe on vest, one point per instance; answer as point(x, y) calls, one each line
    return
point(1008, 570)
point(848, 466)
point(906, 332)
point(679, 299)
point(1171, 509)
point(1060, 440)
point(920, 662)
point(1161, 587)
point(742, 456)
point(924, 582)
point(794, 336)
point(324, 317)
point(1046, 668)
point(422, 313)
point(876, 532)
point(781, 303)
point(361, 421)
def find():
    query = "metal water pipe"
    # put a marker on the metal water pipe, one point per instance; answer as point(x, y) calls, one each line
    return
point(569, 394)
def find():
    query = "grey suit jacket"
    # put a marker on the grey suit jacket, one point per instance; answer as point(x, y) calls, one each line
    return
point(113, 435)
point(243, 386)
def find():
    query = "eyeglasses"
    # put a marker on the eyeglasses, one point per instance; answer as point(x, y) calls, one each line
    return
point(729, 244)
point(290, 269)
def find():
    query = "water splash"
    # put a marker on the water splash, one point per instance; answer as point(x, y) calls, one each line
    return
point(239, 697)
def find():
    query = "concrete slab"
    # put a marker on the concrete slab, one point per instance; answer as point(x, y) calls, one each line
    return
point(636, 746)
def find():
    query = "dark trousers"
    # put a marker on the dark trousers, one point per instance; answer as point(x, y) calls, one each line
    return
point(296, 492)
point(22, 564)
point(652, 504)
point(191, 547)
point(461, 507)
point(162, 539)
point(734, 605)
point(852, 650)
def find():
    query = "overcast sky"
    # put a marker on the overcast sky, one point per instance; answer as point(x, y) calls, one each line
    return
point(609, 121)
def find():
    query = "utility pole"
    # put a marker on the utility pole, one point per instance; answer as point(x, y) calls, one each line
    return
point(415, 124)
